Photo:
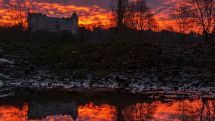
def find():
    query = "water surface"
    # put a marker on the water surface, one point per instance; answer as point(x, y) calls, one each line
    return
point(101, 106)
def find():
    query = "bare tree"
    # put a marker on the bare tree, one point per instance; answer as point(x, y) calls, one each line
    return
point(119, 8)
point(141, 16)
point(202, 13)
point(18, 9)
point(133, 14)
point(182, 20)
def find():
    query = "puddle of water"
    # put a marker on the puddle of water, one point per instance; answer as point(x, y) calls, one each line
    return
point(61, 106)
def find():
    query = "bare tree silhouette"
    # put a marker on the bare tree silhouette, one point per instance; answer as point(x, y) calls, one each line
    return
point(202, 12)
point(119, 8)
point(18, 16)
point(133, 14)
point(182, 20)
point(139, 16)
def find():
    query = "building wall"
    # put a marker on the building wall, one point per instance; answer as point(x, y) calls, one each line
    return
point(39, 21)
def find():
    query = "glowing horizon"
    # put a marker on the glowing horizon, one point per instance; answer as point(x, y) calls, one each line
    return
point(96, 13)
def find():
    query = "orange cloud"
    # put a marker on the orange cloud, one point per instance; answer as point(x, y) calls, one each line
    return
point(89, 16)
point(95, 13)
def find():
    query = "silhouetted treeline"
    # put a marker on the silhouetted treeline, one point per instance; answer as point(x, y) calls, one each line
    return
point(112, 34)
point(99, 34)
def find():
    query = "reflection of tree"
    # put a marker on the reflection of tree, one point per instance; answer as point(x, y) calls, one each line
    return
point(213, 105)
point(186, 112)
point(139, 112)
point(206, 111)
point(203, 110)
point(213, 110)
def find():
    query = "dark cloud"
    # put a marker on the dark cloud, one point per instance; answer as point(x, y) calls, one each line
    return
point(102, 3)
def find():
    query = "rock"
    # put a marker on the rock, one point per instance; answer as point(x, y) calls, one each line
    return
point(6, 61)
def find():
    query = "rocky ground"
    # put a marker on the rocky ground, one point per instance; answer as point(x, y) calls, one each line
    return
point(159, 68)
point(168, 82)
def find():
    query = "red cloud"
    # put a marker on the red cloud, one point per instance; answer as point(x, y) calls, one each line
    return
point(91, 13)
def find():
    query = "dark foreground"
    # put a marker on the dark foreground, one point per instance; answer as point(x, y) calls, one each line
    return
point(153, 63)
point(155, 78)
point(43, 105)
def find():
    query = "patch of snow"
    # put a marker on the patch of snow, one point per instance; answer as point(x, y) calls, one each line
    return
point(2, 60)
point(6, 95)
point(1, 83)
point(5, 76)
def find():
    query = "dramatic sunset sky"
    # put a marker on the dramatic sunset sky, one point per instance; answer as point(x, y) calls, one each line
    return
point(91, 12)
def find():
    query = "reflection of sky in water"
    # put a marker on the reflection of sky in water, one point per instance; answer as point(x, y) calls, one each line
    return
point(97, 113)
point(155, 111)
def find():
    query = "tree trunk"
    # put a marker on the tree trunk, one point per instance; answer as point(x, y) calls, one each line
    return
point(213, 34)
point(206, 36)
point(120, 14)
point(140, 35)
point(182, 36)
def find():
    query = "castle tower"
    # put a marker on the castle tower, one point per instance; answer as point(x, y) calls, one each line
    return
point(74, 18)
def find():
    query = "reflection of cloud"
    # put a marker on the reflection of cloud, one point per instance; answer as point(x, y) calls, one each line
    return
point(91, 112)
point(10, 113)
point(181, 110)
point(178, 110)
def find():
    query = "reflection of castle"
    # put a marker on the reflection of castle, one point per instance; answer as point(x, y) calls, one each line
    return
point(39, 110)
point(39, 21)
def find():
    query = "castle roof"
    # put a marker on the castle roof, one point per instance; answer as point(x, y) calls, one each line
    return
point(74, 15)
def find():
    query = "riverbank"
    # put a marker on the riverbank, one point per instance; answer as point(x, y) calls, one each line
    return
point(152, 66)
